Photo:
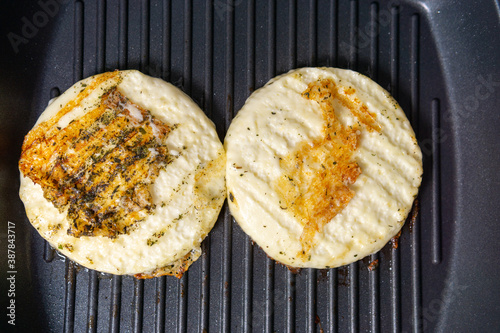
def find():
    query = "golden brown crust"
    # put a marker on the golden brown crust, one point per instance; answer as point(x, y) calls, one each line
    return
point(100, 165)
point(373, 265)
point(317, 175)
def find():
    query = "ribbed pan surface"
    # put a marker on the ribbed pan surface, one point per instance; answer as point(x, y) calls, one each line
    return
point(218, 53)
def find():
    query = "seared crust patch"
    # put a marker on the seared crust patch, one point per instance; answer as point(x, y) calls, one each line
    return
point(99, 167)
point(317, 175)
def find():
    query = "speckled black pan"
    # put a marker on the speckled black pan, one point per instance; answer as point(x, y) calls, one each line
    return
point(439, 59)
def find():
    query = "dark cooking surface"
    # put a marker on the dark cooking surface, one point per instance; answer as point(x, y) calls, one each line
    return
point(440, 60)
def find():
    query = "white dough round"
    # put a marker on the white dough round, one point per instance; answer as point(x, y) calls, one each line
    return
point(282, 153)
point(186, 195)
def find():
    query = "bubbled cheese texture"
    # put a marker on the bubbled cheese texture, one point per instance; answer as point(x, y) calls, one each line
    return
point(187, 194)
point(274, 122)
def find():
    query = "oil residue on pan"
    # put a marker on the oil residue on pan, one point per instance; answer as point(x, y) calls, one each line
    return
point(218, 52)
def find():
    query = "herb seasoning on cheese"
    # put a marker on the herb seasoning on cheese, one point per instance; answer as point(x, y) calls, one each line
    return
point(99, 167)
point(123, 173)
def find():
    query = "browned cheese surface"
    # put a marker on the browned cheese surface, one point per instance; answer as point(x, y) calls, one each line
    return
point(316, 175)
point(99, 166)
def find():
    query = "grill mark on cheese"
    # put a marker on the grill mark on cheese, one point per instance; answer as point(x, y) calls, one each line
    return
point(42, 130)
point(389, 181)
point(99, 167)
point(398, 167)
point(316, 176)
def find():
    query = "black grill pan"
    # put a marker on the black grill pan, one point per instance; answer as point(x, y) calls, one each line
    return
point(440, 59)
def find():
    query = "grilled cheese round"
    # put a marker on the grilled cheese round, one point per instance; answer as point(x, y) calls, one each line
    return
point(322, 167)
point(123, 173)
